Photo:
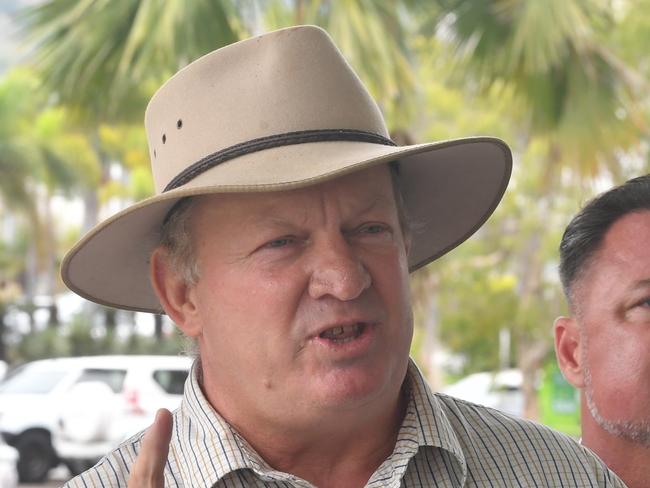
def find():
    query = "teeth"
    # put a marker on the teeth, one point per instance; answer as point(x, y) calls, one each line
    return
point(351, 332)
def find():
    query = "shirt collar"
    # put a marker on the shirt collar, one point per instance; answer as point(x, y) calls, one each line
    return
point(426, 421)
point(208, 448)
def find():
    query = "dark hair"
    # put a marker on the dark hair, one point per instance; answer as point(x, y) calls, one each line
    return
point(584, 234)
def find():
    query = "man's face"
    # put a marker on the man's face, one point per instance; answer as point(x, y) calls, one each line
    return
point(613, 300)
point(303, 299)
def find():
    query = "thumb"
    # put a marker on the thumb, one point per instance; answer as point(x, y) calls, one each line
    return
point(149, 467)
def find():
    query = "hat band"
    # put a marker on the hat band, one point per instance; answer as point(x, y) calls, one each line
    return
point(268, 142)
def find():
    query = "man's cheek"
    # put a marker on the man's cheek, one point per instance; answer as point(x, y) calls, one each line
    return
point(615, 384)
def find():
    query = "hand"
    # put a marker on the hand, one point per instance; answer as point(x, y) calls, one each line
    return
point(148, 470)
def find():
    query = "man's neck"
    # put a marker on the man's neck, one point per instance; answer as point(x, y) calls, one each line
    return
point(342, 452)
point(343, 448)
point(629, 460)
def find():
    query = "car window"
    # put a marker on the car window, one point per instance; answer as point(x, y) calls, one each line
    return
point(114, 378)
point(171, 380)
point(32, 380)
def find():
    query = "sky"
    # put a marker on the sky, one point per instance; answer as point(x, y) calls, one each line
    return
point(11, 50)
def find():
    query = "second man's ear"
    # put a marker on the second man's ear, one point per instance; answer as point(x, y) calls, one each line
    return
point(568, 349)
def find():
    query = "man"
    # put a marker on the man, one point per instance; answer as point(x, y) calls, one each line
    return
point(281, 241)
point(603, 348)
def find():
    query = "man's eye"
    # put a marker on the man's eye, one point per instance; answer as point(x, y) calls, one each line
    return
point(373, 229)
point(281, 242)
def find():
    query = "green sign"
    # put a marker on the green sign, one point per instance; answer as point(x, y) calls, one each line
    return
point(559, 402)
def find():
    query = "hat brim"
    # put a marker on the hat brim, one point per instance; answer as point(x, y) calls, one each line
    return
point(450, 189)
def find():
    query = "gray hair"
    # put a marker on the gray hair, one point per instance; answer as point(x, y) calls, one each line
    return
point(175, 237)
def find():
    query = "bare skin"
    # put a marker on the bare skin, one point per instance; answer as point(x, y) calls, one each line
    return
point(148, 470)
point(303, 293)
point(603, 349)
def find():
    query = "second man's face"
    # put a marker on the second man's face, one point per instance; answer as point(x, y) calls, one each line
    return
point(614, 314)
point(303, 298)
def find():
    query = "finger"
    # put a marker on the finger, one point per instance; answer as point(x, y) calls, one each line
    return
point(148, 470)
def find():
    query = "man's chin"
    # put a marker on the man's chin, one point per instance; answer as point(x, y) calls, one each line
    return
point(633, 429)
point(357, 384)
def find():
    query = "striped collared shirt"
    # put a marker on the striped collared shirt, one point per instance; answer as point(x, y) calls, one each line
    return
point(443, 442)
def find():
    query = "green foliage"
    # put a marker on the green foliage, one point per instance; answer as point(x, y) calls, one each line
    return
point(563, 81)
point(19, 99)
point(80, 338)
point(127, 144)
point(47, 343)
point(476, 300)
point(101, 56)
point(551, 53)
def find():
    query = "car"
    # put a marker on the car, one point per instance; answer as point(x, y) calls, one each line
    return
point(3, 372)
point(8, 462)
point(500, 390)
point(74, 410)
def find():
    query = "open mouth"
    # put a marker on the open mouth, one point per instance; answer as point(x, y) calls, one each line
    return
point(343, 334)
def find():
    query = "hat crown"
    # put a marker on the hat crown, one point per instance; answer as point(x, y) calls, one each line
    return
point(289, 80)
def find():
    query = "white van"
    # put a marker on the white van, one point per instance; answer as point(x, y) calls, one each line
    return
point(8, 461)
point(76, 409)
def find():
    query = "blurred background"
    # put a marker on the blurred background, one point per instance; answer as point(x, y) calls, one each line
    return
point(564, 82)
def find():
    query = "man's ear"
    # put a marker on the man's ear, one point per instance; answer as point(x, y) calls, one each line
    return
point(568, 349)
point(175, 295)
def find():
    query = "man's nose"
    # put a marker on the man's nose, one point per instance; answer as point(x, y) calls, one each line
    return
point(337, 272)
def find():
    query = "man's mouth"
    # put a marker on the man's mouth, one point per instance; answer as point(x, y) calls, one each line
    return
point(343, 334)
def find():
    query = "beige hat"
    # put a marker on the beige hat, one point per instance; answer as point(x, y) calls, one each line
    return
point(275, 112)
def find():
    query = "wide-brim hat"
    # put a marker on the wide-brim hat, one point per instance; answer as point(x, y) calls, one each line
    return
point(280, 111)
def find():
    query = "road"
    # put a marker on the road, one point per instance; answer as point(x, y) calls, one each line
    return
point(49, 484)
point(58, 476)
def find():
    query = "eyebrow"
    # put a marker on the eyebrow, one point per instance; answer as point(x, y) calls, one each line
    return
point(641, 284)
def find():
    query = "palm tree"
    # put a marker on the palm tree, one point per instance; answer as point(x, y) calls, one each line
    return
point(104, 59)
point(38, 158)
point(554, 55)
point(19, 160)
point(107, 57)
point(575, 101)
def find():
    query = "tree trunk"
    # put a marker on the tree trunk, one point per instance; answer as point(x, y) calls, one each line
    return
point(53, 320)
point(91, 209)
point(299, 10)
point(534, 347)
point(531, 359)
point(158, 326)
point(110, 324)
point(49, 272)
point(3, 328)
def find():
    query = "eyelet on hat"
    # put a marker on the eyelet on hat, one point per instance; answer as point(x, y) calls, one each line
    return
point(179, 124)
